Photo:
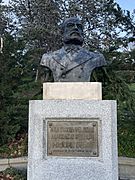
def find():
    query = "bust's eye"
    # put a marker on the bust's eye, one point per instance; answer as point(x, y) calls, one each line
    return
point(79, 26)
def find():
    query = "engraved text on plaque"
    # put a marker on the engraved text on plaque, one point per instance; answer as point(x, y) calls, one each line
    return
point(72, 138)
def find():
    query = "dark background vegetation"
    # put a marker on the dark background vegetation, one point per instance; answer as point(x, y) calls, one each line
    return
point(31, 28)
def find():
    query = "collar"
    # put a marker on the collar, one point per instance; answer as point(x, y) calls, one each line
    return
point(71, 48)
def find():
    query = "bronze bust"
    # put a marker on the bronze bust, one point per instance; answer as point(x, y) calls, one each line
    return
point(72, 63)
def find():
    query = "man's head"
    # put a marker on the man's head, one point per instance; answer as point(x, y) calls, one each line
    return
point(72, 31)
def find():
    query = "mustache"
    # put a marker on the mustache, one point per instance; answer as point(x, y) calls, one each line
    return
point(75, 32)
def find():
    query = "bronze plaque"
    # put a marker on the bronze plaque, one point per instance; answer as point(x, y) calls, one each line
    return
point(72, 138)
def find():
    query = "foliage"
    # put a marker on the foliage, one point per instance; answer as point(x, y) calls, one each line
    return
point(119, 86)
point(126, 128)
point(12, 173)
point(17, 87)
point(9, 82)
point(15, 148)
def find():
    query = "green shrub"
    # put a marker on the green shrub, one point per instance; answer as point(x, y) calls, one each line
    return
point(13, 173)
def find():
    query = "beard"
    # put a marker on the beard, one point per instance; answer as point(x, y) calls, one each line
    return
point(73, 37)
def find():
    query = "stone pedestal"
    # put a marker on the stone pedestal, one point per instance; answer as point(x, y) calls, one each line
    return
point(72, 139)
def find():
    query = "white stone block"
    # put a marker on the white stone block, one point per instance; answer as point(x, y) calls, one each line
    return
point(72, 90)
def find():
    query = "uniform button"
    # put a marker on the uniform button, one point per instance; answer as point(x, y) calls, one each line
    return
point(79, 77)
point(63, 76)
point(81, 68)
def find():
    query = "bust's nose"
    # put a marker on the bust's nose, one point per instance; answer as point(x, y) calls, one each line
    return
point(75, 26)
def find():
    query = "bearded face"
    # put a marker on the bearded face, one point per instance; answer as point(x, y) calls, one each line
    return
point(73, 31)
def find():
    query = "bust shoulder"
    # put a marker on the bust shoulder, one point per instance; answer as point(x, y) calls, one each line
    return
point(97, 57)
point(50, 56)
point(86, 51)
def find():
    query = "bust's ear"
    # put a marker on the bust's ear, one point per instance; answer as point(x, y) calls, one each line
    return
point(61, 27)
point(61, 31)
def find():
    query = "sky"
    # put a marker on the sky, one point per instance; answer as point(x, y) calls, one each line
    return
point(124, 4)
point(127, 4)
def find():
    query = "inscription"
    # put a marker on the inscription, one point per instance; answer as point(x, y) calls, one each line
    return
point(72, 138)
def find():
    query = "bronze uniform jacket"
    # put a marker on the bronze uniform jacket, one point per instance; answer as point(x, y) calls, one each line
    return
point(72, 66)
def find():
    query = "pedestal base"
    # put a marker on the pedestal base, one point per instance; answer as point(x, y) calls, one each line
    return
point(100, 160)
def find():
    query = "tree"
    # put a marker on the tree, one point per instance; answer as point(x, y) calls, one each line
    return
point(10, 78)
point(14, 83)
